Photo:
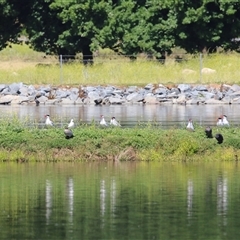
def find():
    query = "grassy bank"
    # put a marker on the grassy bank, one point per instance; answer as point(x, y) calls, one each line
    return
point(92, 143)
point(21, 64)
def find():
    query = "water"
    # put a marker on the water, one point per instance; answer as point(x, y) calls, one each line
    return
point(126, 200)
point(128, 115)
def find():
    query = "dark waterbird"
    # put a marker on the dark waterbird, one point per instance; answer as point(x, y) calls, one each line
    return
point(37, 102)
point(208, 132)
point(68, 133)
point(219, 138)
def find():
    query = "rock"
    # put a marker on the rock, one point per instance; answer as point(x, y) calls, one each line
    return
point(52, 101)
point(180, 100)
point(19, 100)
point(79, 101)
point(193, 101)
point(73, 96)
point(234, 94)
point(45, 89)
point(161, 91)
point(14, 88)
point(200, 88)
point(149, 87)
point(188, 71)
point(151, 100)
point(67, 101)
point(184, 87)
point(3, 86)
point(132, 89)
point(134, 97)
point(235, 88)
point(6, 99)
point(116, 100)
point(42, 99)
point(213, 101)
point(23, 91)
point(208, 71)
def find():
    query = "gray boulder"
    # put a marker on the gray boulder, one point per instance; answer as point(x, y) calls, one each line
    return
point(184, 87)
point(135, 97)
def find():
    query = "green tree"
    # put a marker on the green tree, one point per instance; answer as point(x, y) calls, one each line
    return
point(66, 27)
point(12, 14)
point(207, 24)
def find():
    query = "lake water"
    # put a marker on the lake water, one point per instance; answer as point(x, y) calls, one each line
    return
point(128, 115)
point(125, 200)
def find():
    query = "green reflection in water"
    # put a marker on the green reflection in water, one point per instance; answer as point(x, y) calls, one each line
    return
point(125, 200)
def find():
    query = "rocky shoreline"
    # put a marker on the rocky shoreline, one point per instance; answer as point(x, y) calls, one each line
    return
point(19, 93)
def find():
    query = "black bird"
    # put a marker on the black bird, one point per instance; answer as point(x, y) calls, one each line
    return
point(37, 102)
point(208, 132)
point(68, 133)
point(219, 138)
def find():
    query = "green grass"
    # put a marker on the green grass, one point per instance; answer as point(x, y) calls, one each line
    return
point(19, 142)
point(21, 64)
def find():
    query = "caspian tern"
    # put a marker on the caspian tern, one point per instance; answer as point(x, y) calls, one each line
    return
point(103, 122)
point(190, 126)
point(114, 122)
point(220, 122)
point(71, 124)
point(48, 121)
point(225, 120)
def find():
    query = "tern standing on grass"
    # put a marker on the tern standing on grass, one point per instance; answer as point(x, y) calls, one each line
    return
point(71, 124)
point(103, 122)
point(114, 122)
point(48, 121)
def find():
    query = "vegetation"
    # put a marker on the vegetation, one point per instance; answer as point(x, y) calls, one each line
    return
point(22, 64)
point(126, 26)
point(24, 141)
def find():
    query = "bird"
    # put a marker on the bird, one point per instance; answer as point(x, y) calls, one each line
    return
point(48, 121)
point(219, 138)
point(71, 124)
point(225, 120)
point(208, 132)
point(190, 126)
point(68, 133)
point(114, 122)
point(103, 122)
point(37, 101)
point(220, 121)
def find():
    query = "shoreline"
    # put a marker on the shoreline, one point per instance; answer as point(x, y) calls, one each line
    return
point(183, 94)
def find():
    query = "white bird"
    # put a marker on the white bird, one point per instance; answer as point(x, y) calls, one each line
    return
point(71, 124)
point(220, 122)
point(190, 126)
point(114, 122)
point(48, 121)
point(68, 133)
point(225, 120)
point(103, 122)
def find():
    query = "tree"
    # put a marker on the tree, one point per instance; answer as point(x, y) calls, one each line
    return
point(66, 27)
point(207, 24)
point(12, 13)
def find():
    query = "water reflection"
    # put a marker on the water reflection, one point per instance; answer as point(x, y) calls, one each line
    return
point(189, 197)
point(113, 196)
point(128, 115)
point(128, 201)
point(70, 197)
point(49, 200)
point(222, 198)
point(102, 200)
